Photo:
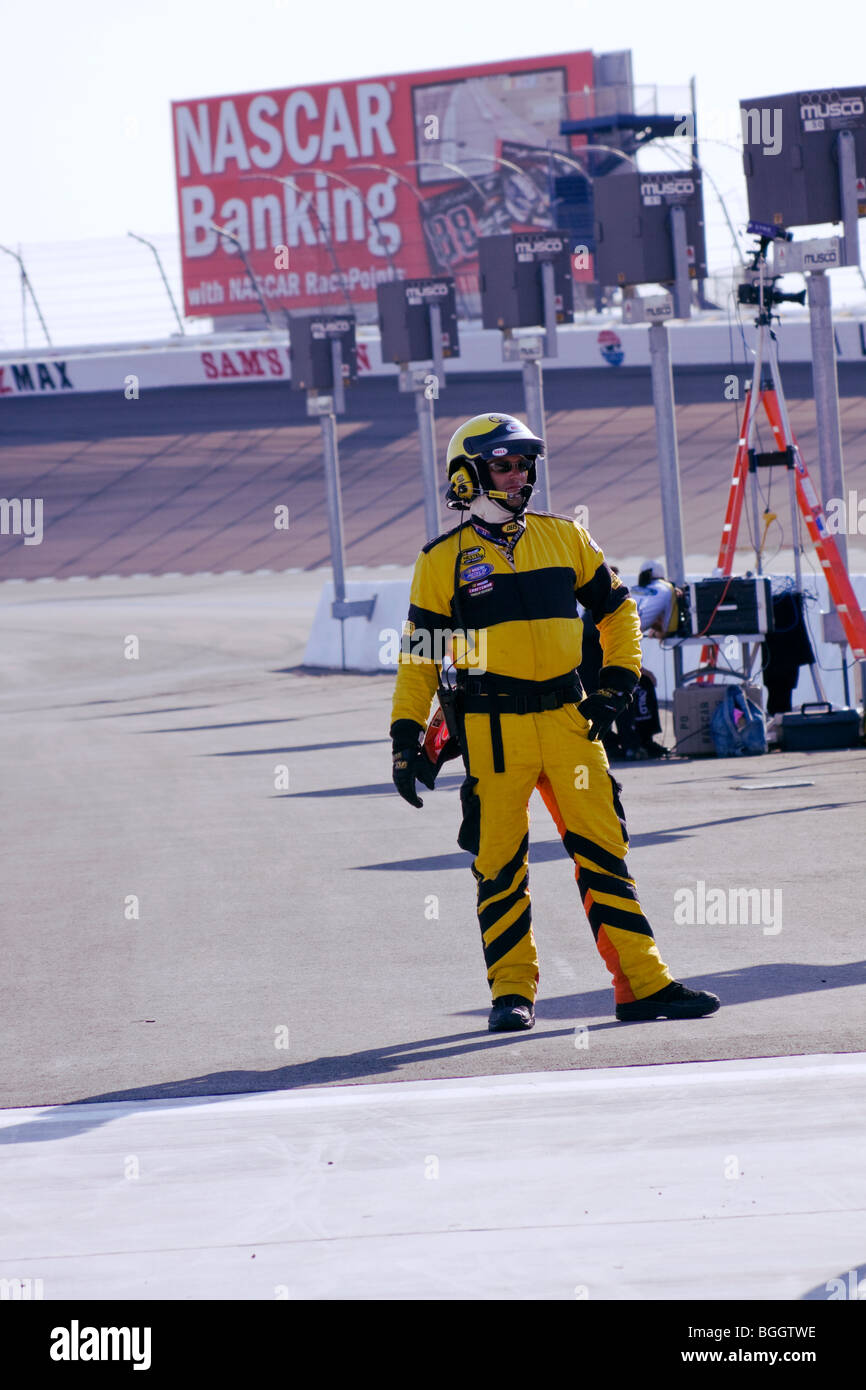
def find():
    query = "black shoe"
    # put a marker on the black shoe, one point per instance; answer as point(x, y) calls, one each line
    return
point(511, 1013)
point(674, 1001)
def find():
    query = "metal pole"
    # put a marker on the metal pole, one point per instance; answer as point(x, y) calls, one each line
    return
point(335, 522)
point(26, 286)
point(338, 389)
point(826, 389)
point(23, 298)
point(436, 344)
point(248, 268)
point(162, 273)
point(825, 385)
point(335, 510)
point(702, 297)
point(669, 468)
point(848, 197)
point(533, 394)
point(548, 294)
point(682, 284)
point(427, 437)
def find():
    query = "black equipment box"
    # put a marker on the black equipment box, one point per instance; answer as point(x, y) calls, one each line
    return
point(310, 350)
point(731, 607)
point(790, 154)
point(404, 321)
point(825, 727)
point(509, 269)
point(633, 242)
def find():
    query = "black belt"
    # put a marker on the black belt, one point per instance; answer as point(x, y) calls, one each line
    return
point(494, 695)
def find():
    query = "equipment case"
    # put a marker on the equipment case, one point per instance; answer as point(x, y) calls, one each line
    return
point(825, 727)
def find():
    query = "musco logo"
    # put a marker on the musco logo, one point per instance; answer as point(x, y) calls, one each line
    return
point(426, 291)
point(527, 247)
point(323, 328)
point(823, 106)
point(666, 188)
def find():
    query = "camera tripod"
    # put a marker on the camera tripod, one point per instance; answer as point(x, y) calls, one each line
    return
point(766, 390)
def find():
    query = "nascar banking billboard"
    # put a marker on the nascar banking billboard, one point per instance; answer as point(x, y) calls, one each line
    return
point(331, 189)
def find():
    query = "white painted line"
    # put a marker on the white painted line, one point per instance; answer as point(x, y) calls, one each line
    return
point(768, 786)
point(673, 1075)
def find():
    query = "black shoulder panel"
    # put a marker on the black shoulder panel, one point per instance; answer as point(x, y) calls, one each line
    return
point(437, 540)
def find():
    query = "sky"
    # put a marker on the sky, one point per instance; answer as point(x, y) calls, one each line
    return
point(85, 93)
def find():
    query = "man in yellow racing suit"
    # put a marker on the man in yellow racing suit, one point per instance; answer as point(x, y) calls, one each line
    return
point(499, 594)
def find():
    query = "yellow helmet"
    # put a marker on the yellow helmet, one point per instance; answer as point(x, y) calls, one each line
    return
point(472, 447)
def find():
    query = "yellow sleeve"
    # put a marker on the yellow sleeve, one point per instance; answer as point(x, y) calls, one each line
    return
point(614, 613)
point(425, 635)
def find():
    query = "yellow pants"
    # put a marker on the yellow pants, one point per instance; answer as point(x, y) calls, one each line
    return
point(551, 751)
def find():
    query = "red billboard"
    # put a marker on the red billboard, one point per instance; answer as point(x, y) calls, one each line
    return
point(331, 189)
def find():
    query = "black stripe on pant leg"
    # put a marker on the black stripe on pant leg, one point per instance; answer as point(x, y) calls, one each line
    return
point(577, 845)
point(602, 916)
point(606, 883)
point(509, 938)
point(494, 912)
point(489, 886)
point(616, 788)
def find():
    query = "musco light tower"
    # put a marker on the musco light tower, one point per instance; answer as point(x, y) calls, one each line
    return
point(526, 282)
point(418, 326)
point(802, 153)
point(324, 358)
point(649, 229)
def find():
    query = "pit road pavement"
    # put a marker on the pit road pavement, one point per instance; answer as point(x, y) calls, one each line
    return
point(179, 922)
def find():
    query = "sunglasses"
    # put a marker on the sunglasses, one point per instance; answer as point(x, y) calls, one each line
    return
point(503, 468)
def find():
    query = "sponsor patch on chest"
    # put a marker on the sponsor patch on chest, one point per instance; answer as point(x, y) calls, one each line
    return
point(482, 586)
point(476, 572)
point(476, 553)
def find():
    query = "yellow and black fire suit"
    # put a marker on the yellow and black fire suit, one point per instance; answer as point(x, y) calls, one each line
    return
point(521, 729)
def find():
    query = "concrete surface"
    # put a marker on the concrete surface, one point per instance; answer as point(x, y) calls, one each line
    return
point(212, 887)
point(722, 1181)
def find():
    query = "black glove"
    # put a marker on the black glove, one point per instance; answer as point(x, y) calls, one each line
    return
point(409, 762)
point(601, 709)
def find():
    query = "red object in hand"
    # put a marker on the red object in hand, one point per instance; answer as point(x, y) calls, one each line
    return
point(436, 736)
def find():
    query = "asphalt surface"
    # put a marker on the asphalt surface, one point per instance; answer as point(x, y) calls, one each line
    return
point(187, 481)
point(211, 886)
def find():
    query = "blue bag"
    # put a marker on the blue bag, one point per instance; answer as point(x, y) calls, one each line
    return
point(737, 726)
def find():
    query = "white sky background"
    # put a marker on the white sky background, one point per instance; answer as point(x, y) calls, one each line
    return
point(85, 93)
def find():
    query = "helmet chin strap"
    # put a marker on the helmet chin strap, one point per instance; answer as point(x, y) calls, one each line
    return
point(488, 509)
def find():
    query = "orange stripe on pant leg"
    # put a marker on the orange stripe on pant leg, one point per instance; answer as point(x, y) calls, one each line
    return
point(547, 795)
point(622, 990)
